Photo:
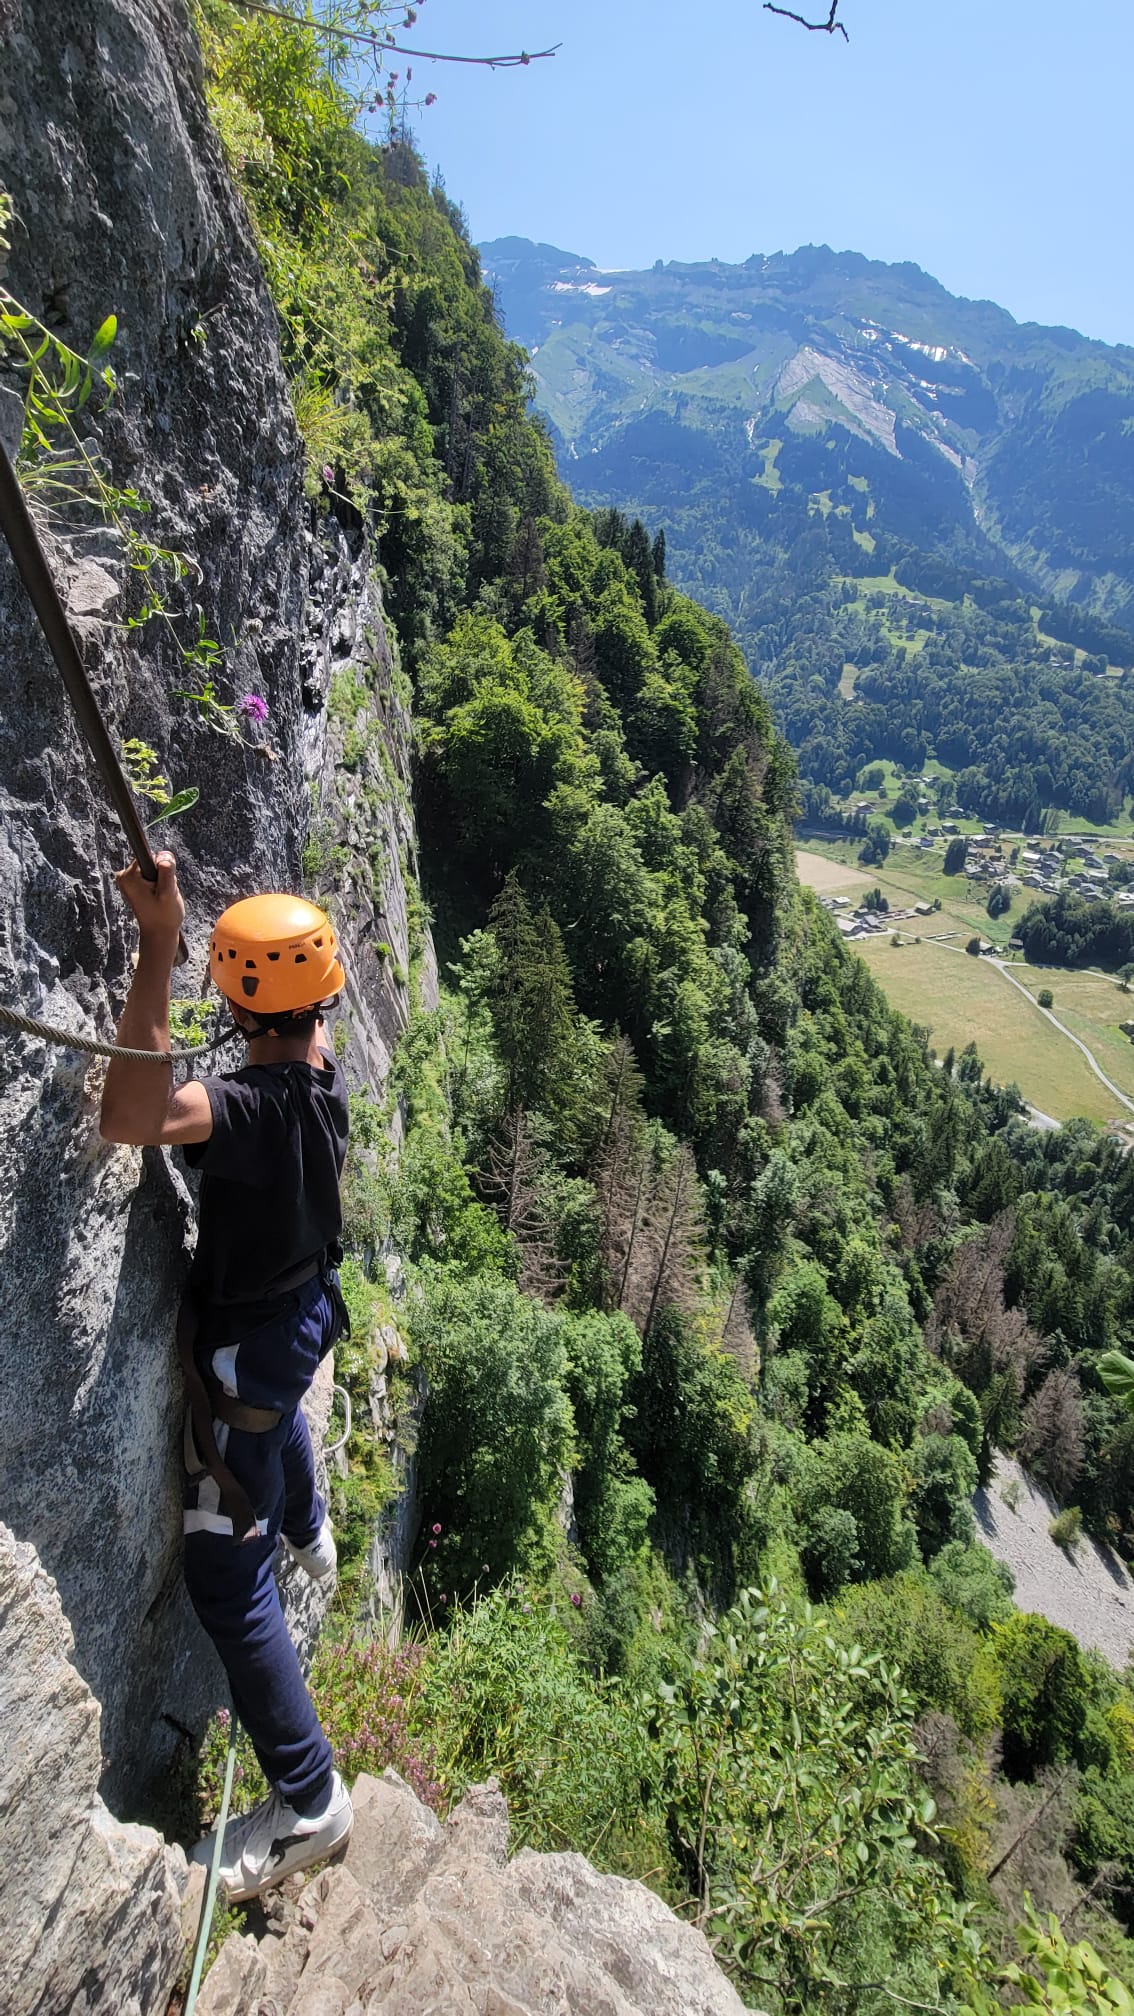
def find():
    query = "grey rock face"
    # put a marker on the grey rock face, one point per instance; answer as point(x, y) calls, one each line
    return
point(425, 1920)
point(92, 1910)
point(124, 205)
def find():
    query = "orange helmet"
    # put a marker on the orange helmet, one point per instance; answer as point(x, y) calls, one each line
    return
point(274, 954)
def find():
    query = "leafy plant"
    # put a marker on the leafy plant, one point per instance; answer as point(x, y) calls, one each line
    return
point(788, 1763)
point(505, 1692)
point(191, 1022)
point(139, 762)
point(63, 471)
point(1057, 1978)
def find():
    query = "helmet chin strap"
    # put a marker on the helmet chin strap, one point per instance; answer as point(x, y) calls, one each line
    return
point(283, 1025)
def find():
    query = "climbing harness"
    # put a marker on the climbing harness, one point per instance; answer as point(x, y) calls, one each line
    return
point(209, 1905)
point(31, 563)
point(66, 1039)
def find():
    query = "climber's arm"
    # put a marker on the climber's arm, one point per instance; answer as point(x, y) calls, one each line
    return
point(140, 1103)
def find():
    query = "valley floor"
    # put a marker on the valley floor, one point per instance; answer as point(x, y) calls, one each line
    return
point(1073, 1063)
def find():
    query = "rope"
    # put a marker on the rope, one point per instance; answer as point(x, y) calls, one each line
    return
point(65, 1039)
point(206, 1924)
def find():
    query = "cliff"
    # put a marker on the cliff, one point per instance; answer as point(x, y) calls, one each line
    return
point(123, 205)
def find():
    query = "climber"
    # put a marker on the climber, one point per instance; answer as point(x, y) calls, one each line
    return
point(262, 1307)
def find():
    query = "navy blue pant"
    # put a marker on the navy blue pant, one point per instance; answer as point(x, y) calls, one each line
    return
point(231, 1584)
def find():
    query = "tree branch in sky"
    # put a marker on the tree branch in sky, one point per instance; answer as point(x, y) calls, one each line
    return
point(381, 42)
point(831, 26)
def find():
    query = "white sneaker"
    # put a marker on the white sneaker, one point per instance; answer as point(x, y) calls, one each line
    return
point(320, 1559)
point(273, 1841)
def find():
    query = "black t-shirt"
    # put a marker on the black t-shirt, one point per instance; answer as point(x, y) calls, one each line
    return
point(270, 1177)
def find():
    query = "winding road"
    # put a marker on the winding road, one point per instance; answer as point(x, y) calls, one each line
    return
point(1001, 966)
point(1100, 1074)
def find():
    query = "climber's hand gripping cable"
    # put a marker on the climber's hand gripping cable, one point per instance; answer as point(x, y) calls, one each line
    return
point(140, 1104)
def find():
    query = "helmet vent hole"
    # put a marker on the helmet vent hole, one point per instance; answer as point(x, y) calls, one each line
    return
point(249, 985)
point(318, 944)
point(232, 951)
point(301, 958)
point(251, 964)
point(273, 956)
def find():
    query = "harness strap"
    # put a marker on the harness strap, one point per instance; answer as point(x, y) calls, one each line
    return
point(234, 1498)
point(237, 1413)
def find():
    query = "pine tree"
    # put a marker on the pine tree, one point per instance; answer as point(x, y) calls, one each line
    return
point(526, 570)
point(676, 1238)
point(512, 1181)
point(737, 1338)
point(1052, 1440)
point(640, 561)
point(533, 1006)
point(622, 1084)
point(622, 1177)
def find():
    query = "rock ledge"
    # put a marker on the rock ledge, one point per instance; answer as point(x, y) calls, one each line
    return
point(425, 1919)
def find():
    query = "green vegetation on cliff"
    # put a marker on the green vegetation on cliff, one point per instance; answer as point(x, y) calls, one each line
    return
point(716, 1283)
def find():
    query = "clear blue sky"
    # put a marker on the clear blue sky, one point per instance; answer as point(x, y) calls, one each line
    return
point(988, 140)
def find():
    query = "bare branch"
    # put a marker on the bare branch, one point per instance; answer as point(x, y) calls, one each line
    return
point(379, 45)
point(831, 26)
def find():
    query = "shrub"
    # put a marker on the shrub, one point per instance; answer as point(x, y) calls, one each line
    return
point(496, 1435)
point(1045, 997)
point(850, 1473)
point(1067, 1528)
point(1046, 1690)
point(1058, 1977)
point(972, 1581)
point(505, 1693)
point(767, 1743)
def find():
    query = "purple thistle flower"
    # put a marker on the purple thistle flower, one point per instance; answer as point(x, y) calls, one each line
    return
point(436, 1528)
point(576, 1599)
point(252, 707)
point(433, 1543)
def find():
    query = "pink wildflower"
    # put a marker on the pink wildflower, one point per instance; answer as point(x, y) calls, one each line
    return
point(252, 707)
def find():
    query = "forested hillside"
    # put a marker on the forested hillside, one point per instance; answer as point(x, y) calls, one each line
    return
point(915, 513)
point(718, 1293)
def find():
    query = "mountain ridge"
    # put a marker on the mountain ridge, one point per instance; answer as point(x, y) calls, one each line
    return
point(1033, 419)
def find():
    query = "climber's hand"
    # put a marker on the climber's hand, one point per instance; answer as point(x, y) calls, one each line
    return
point(158, 906)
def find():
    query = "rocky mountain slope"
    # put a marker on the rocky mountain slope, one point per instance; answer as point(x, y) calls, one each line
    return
point(1013, 439)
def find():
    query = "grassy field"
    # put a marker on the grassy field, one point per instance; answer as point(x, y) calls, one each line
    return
point(1092, 1006)
point(963, 1000)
